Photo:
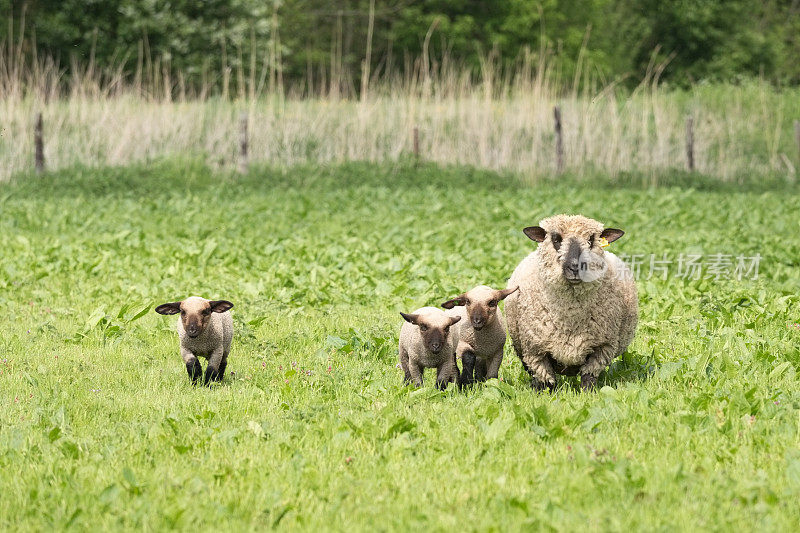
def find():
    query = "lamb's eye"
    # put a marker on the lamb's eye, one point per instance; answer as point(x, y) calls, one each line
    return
point(206, 311)
point(423, 328)
point(467, 302)
point(493, 303)
point(556, 238)
point(446, 330)
point(591, 241)
point(183, 313)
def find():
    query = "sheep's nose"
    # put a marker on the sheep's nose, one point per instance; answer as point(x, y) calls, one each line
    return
point(436, 347)
point(478, 324)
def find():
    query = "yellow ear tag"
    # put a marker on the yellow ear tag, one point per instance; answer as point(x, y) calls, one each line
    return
point(604, 242)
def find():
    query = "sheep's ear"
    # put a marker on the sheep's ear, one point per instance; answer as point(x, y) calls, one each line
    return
point(220, 306)
point(454, 319)
point(458, 300)
point(172, 308)
point(505, 292)
point(535, 233)
point(412, 319)
point(612, 234)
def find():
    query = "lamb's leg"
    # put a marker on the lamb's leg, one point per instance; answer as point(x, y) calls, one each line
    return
point(222, 365)
point(404, 366)
point(415, 370)
point(193, 367)
point(480, 369)
point(493, 365)
point(595, 364)
point(541, 371)
point(212, 369)
point(446, 373)
point(468, 367)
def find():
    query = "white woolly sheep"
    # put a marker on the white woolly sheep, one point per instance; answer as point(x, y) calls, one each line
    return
point(576, 309)
point(205, 329)
point(427, 342)
point(481, 333)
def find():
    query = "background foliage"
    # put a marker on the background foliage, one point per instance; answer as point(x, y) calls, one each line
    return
point(318, 43)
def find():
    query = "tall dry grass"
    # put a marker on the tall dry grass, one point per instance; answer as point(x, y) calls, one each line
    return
point(499, 119)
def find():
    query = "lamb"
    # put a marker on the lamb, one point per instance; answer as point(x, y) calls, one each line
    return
point(427, 342)
point(205, 329)
point(481, 334)
point(576, 309)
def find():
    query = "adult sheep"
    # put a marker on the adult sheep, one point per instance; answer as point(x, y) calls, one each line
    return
point(576, 307)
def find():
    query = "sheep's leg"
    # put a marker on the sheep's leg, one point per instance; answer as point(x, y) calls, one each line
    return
point(541, 371)
point(480, 369)
point(493, 365)
point(415, 369)
point(468, 367)
point(404, 366)
point(212, 369)
point(446, 373)
point(193, 367)
point(222, 365)
point(594, 366)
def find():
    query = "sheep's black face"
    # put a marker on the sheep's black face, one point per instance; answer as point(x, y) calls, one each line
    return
point(434, 329)
point(571, 248)
point(195, 313)
point(434, 338)
point(195, 321)
point(574, 261)
point(481, 304)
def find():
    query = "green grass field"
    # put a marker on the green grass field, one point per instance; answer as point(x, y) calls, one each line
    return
point(696, 427)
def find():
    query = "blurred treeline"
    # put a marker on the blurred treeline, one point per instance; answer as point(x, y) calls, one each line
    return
point(320, 45)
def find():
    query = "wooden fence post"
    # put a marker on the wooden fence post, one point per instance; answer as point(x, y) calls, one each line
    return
point(559, 141)
point(38, 143)
point(416, 143)
point(690, 144)
point(243, 162)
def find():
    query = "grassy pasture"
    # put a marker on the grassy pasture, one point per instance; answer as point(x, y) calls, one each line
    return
point(697, 426)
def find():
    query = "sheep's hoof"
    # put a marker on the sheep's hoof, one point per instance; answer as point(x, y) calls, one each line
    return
point(538, 386)
point(211, 375)
point(442, 385)
point(588, 383)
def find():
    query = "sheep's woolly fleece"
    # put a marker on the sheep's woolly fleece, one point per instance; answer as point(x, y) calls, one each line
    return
point(583, 325)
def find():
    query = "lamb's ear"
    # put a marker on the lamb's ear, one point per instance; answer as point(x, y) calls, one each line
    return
point(458, 300)
point(220, 306)
point(171, 308)
point(454, 319)
point(505, 292)
point(612, 234)
point(412, 319)
point(535, 233)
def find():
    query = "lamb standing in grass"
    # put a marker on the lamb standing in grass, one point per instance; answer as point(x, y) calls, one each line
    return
point(576, 309)
point(481, 333)
point(426, 342)
point(205, 328)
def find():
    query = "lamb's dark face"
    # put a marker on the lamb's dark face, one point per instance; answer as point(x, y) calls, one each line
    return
point(481, 303)
point(433, 327)
point(195, 313)
point(571, 247)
